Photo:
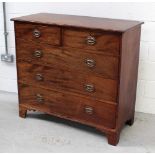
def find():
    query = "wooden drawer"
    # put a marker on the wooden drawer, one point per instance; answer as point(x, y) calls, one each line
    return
point(68, 106)
point(85, 61)
point(39, 33)
point(106, 42)
point(57, 78)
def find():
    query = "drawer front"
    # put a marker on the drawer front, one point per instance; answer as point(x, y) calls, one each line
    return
point(68, 106)
point(68, 80)
point(85, 61)
point(39, 33)
point(92, 40)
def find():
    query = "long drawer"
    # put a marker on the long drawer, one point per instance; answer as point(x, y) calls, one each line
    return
point(68, 106)
point(58, 78)
point(86, 61)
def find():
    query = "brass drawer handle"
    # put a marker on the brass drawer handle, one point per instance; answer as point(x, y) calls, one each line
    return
point(39, 98)
point(38, 54)
point(36, 33)
point(90, 62)
point(39, 77)
point(89, 110)
point(91, 40)
point(89, 88)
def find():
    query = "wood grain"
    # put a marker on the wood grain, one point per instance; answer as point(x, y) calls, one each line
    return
point(68, 106)
point(49, 34)
point(114, 25)
point(105, 41)
point(69, 58)
point(128, 76)
point(68, 80)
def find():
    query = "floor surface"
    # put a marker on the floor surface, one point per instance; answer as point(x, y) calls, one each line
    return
point(43, 133)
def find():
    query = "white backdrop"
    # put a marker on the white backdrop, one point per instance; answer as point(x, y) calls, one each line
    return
point(134, 11)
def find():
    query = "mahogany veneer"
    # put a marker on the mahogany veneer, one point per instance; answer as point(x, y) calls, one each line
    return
point(78, 68)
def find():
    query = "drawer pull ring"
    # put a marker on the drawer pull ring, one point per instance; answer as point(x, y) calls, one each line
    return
point(36, 33)
point(39, 77)
point(89, 88)
point(89, 110)
point(91, 40)
point(38, 54)
point(39, 98)
point(90, 62)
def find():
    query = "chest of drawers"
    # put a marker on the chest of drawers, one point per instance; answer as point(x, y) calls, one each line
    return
point(83, 69)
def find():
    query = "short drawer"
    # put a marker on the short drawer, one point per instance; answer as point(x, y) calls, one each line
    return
point(85, 61)
point(91, 112)
point(38, 33)
point(68, 80)
point(92, 40)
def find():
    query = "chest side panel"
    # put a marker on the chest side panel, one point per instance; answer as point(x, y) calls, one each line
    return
point(128, 75)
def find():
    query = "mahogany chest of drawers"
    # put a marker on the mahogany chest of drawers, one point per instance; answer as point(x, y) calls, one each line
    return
point(82, 69)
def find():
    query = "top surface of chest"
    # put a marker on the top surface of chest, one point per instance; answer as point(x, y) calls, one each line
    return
point(106, 24)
